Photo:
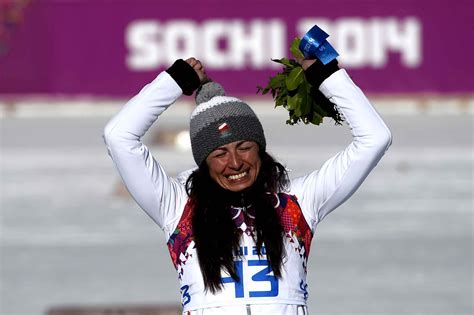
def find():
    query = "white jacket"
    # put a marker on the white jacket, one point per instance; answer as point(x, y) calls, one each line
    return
point(164, 198)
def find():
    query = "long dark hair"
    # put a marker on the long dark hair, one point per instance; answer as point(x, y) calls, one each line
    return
point(217, 238)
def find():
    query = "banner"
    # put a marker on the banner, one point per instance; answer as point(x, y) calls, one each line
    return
point(112, 48)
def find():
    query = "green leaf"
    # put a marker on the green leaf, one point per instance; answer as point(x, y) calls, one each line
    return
point(295, 78)
point(292, 119)
point(284, 61)
point(317, 119)
point(295, 48)
point(277, 81)
point(281, 99)
point(321, 112)
point(306, 101)
point(263, 90)
point(294, 103)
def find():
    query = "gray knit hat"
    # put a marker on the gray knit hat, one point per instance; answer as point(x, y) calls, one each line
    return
point(219, 120)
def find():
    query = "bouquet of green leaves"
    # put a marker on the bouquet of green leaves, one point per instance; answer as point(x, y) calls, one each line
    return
point(291, 90)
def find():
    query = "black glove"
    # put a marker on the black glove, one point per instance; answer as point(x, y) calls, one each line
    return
point(185, 76)
point(318, 72)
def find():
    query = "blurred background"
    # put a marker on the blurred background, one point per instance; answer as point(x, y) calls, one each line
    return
point(72, 241)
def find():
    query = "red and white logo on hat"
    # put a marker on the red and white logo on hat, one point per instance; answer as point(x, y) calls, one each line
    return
point(224, 129)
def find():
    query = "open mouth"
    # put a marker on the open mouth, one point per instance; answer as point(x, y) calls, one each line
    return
point(237, 176)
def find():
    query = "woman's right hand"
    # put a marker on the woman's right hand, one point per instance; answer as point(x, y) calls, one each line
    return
point(199, 68)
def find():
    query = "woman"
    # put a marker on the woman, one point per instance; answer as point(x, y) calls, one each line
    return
point(238, 230)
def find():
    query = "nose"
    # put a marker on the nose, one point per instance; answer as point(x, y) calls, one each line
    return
point(235, 161)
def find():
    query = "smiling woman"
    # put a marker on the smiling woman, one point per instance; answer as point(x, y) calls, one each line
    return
point(239, 230)
point(235, 166)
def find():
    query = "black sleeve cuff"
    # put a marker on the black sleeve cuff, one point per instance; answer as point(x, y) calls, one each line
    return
point(318, 72)
point(185, 76)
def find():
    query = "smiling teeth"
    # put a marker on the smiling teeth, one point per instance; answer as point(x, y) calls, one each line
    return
point(238, 176)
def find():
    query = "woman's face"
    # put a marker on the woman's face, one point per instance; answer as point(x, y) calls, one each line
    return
point(235, 166)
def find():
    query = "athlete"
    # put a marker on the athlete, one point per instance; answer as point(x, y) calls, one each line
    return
point(239, 230)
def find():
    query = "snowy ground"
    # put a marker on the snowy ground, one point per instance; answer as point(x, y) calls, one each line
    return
point(70, 235)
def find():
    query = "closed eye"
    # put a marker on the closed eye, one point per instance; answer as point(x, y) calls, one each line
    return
point(245, 148)
point(245, 145)
point(219, 153)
